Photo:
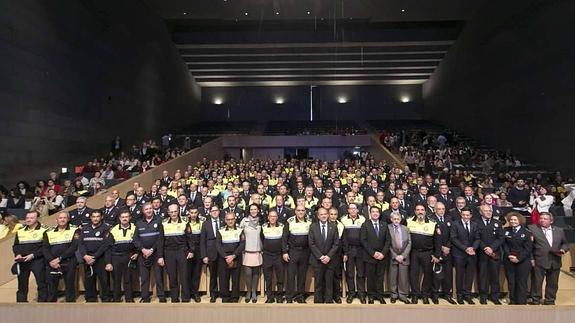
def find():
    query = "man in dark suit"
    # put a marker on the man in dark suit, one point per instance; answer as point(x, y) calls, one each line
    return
point(375, 241)
point(445, 197)
point(166, 179)
point(549, 245)
point(455, 213)
point(195, 197)
point(465, 240)
point(421, 197)
point(404, 201)
point(208, 250)
point(118, 201)
point(165, 198)
point(323, 244)
point(394, 208)
point(234, 209)
point(110, 212)
point(471, 201)
point(133, 208)
point(81, 215)
point(284, 213)
point(443, 244)
point(491, 239)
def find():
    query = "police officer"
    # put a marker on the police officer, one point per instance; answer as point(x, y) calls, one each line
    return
point(133, 207)
point(272, 233)
point(352, 255)
point(338, 257)
point(93, 245)
point(29, 257)
point(177, 251)
point(123, 255)
point(295, 249)
point(149, 241)
point(195, 263)
point(230, 245)
point(517, 251)
point(81, 215)
point(59, 248)
point(489, 255)
point(443, 282)
point(422, 254)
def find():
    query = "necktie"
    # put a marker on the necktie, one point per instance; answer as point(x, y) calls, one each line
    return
point(548, 236)
point(323, 232)
point(467, 228)
point(487, 222)
point(376, 228)
point(397, 237)
point(515, 230)
point(279, 210)
point(441, 219)
point(107, 211)
point(402, 205)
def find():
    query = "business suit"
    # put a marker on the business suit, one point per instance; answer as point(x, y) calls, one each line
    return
point(319, 246)
point(518, 244)
point(547, 263)
point(208, 239)
point(490, 235)
point(195, 199)
point(420, 199)
point(448, 200)
point(371, 242)
point(399, 272)
point(465, 264)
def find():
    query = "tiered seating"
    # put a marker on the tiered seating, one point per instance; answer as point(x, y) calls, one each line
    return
point(218, 128)
point(322, 127)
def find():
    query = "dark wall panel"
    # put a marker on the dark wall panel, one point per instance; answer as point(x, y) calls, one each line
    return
point(509, 80)
point(74, 74)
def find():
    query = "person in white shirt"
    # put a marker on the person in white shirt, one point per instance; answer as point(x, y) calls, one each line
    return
point(541, 200)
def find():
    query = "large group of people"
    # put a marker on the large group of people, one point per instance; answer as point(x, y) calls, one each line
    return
point(351, 221)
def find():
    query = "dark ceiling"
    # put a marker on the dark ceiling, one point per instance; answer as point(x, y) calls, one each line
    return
point(313, 42)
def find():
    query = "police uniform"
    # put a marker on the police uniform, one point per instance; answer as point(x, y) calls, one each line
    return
point(295, 244)
point(177, 245)
point(195, 264)
point(355, 269)
point(230, 242)
point(121, 251)
point(519, 244)
point(150, 235)
point(490, 235)
point(443, 282)
point(272, 260)
point(61, 244)
point(28, 241)
point(80, 217)
point(94, 241)
point(111, 215)
point(422, 248)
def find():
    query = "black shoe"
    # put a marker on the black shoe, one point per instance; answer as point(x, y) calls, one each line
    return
point(405, 301)
point(254, 300)
point(247, 299)
point(381, 300)
point(129, 301)
point(413, 299)
point(460, 301)
point(146, 300)
point(496, 301)
point(393, 300)
point(213, 299)
point(483, 301)
point(450, 300)
point(270, 300)
point(469, 301)
point(301, 300)
point(185, 300)
point(549, 303)
point(362, 300)
point(434, 300)
point(349, 299)
point(370, 300)
point(279, 299)
point(337, 300)
point(197, 299)
point(163, 300)
point(534, 303)
point(289, 301)
point(174, 300)
point(425, 300)
point(329, 302)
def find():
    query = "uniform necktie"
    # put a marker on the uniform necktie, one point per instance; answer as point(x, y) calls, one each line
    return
point(487, 222)
point(441, 219)
point(515, 230)
point(402, 205)
point(467, 228)
point(376, 228)
point(323, 232)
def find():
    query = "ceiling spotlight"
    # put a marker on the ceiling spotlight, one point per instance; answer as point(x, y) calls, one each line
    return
point(342, 99)
point(405, 99)
point(403, 10)
point(218, 101)
point(245, 13)
point(309, 12)
point(277, 13)
point(280, 100)
point(185, 13)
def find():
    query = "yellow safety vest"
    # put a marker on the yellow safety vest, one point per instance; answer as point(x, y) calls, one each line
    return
point(174, 229)
point(231, 235)
point(197, 226)
point(310, 204)
point(425, 228)
point(26, 235)
point(56, 236)
point(348, 222)
point(273, 233)
point(383, 206)
point(299, 228)
point(118, 233)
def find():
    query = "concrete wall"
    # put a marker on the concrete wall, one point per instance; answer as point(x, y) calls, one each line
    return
point(509, 80)
point(74, 74)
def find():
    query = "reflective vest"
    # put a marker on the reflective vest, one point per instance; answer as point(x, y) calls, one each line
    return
point(273, 233)
point(299, 228)
point(123, 235)
point(230, 235)
point(56, 236)
point(197, 226)
point(30, 235)
point(174, 229)
point(424, 228)
point(349, 223)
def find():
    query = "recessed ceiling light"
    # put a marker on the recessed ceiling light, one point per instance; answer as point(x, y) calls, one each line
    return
point(309, 12)
point(245, 13)
point(342, 99)
point(277, 12)
point(280, 100)
point(185, 13)
point(403, 10)
point(218, 101)
point(405, 99)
